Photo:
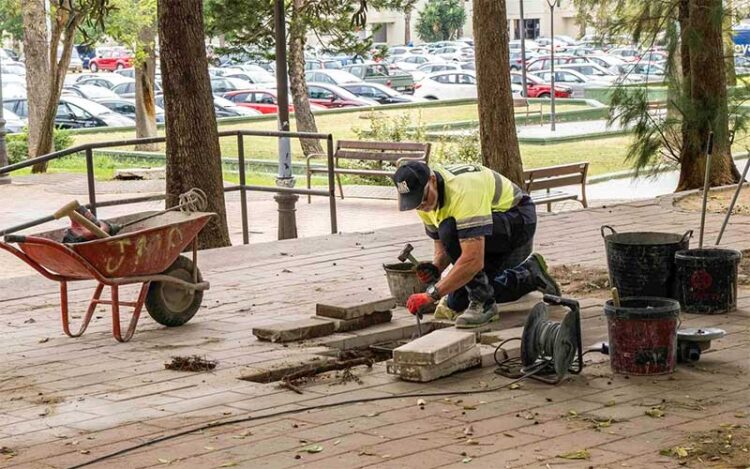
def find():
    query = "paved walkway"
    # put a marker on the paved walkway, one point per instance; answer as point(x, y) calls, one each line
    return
point(67, 401)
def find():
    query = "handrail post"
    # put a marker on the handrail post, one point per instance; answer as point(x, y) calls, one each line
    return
point(331, 184)
point(243, 183)
point(90, 178)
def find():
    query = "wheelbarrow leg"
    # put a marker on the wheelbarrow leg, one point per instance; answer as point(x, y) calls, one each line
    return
point(89, 313)
point(138, 305)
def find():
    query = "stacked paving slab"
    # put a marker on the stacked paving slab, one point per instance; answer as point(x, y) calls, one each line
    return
point(437, 354)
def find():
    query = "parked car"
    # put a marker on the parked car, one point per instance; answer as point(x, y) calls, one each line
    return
point(411, 62)
point(431, 68)
point(256, 77)
point(456, 53)
point(126, 107)
point(91, 92)
point(318, 64)
point(13, 89)
point(331, 77)
point(537, 88)
point(9, 54)
point(608, 62)
point(221, 85)
point(126, 88)
point(110, 60)
point(448, 85)
point(12, 68)
point(649, 71)
point(109, 80)
point(570, 78)
point(628, 54)
point(226, 108)
point(76, 64)
point(74, 112)
point(544, 62)
point(260, 100)
point(597, 73)
point(13, 123)
point(333, 97)
point(380, 73)
point(380, 93)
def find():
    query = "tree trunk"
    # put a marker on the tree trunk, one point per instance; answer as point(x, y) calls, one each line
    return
point(303, 116)
point(407, 26)
point(36, 49)
point(193, 152)
point(497, 126)
point(727, 23)
point(145, 106)
point(708, 97)
point(64, 28)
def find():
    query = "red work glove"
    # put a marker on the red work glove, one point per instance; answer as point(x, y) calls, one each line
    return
point(427, 273)
point(418, 302)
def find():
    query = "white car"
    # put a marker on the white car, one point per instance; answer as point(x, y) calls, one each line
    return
point(261, 77)
point(332, 77)
point(411, 62)
point(448, 85)
point(458, 54)
point(571, 79)
point(597, 73)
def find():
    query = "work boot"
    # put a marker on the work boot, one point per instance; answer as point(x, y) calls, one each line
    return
point(477, 314)
point(540, 277)
point(444, 312)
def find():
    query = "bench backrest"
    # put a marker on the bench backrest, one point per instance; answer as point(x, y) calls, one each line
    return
point(555, 176)
point(382, 151)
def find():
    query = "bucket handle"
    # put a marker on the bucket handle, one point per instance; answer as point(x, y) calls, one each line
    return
point(604, 235)
point(686, 237)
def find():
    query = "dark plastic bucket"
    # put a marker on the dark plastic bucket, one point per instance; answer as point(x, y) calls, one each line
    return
point(642, 263)
point(707, 280)
point(642, 335)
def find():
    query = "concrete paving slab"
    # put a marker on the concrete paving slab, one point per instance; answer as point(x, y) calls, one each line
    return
point(354, 310)
point(295, 330)
point(435, 347)
point(426, 373)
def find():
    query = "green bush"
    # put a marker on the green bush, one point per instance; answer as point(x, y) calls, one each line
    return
point(18, 144)
point(464, 149)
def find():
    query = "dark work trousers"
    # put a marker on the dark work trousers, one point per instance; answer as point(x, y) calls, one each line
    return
point(511, 242)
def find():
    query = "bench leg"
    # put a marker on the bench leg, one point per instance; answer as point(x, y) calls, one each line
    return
point(341, 188)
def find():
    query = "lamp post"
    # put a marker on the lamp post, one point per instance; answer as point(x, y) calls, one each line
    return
point(4, 178)
point(523, 49)
point(552, 4)
point(286, 202)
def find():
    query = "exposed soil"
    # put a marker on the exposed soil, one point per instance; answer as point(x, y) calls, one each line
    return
point(193, 363)
point(577, 280)
point(718, 201)
point(726, 446)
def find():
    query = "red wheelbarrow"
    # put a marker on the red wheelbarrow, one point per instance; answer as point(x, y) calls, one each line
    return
point(147, 252)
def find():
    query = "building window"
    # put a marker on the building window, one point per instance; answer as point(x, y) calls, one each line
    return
point(380, 33)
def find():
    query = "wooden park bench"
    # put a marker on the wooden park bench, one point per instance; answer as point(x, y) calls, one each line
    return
point(540, 183)
point(363, 151)
point(524, 103)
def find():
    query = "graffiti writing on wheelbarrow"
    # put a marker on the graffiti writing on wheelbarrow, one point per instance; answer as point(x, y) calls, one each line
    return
point(139, 250)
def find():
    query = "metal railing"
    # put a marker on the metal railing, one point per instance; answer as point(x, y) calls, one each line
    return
point(242, 187)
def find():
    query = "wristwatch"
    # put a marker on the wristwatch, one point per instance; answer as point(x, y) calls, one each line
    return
point(433, 292)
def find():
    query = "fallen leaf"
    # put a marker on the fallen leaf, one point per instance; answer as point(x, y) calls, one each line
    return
point(44, 340)
point(515, 386)
point(655, 412)
point(421, 402)
point(572, 413)
point(311, 449)
point(85, 451)
point(229, 464)
point(366, 452)
point(469, 430)
point(164, 461)
point(337, 442)
point(208, 448)
point(472, 442)
point(740, 415)
point(466, 460)
point(470, 407)
point(610, 403)
point(580, 454)
point(681, 452)
point(7, 452)
point(508, 435)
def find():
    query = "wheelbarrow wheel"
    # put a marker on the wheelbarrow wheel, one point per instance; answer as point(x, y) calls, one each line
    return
point(169, 304)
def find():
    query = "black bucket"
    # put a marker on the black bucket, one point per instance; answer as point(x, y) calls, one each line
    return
point(642, 263)
point(707, 280)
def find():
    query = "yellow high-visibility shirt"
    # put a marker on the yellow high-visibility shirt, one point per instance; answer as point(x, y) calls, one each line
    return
point(470, 194)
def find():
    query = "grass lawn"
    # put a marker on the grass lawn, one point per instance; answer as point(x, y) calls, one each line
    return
point(605, 155)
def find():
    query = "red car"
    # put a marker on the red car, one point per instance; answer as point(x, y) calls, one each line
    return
point(536, 88)
point(332, 96)
point(111, 60)
point(260, 100)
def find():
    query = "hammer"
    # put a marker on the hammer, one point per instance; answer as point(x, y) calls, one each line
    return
point(406, 254)
point(71, 210)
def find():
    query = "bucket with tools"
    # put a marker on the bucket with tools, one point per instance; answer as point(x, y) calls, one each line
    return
point(402, 277)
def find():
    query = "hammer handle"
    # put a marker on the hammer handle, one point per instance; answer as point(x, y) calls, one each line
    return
point(66, 209)
point(88, 224)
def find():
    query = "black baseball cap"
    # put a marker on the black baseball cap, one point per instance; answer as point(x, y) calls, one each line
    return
point(411, 179)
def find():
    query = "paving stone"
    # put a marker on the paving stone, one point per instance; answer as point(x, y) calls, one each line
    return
point(435, 347)
point(426, 373)
point(361, 322)
point(295, 330)
point(354, 310)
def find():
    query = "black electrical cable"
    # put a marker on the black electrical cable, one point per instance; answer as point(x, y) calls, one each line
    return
point(294, 411)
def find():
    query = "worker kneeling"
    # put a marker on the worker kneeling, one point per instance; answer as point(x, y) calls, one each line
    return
point(484, 225)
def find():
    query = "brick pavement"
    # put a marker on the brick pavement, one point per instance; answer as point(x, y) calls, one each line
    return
point(65, 401)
